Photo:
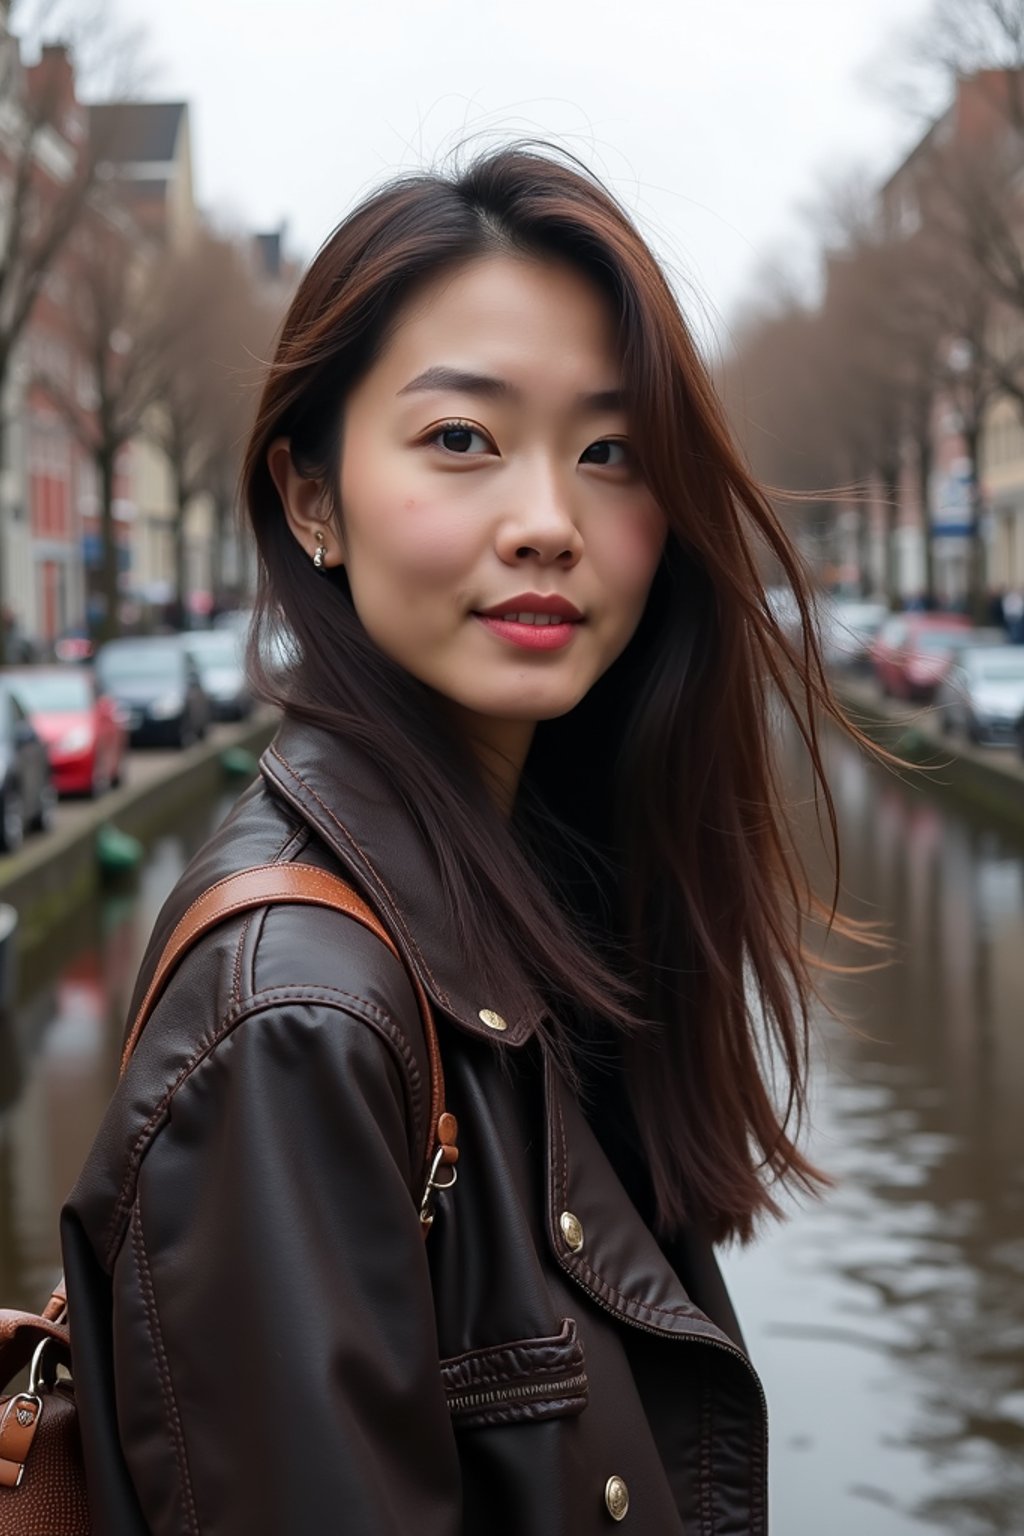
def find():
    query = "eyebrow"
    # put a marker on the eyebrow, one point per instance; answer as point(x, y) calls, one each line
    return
point(489, 388)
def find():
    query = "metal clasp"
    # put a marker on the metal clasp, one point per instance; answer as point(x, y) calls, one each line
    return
point(36, 1381)
point(426, 1214)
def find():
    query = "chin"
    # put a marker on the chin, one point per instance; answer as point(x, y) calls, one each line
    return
point(525, 711)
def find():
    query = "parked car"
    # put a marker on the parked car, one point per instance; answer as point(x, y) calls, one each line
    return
point(848, 627)
point(982, 695)
point(27, 796)
point(911, 652)
point(156, 683)
point(278, 647)
point(219, 655)
point(84, 729)
point(237, 619)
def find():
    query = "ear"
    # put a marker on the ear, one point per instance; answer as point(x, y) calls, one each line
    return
point(305, 505)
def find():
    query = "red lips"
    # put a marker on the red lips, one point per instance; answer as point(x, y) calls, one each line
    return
point(534, 602)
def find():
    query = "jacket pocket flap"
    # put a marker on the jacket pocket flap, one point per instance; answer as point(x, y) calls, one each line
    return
point(522, 1381)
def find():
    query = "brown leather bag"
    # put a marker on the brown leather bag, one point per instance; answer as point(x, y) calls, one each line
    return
point(44, 1493)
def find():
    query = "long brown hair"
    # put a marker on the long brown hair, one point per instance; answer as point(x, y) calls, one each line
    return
point(646, 876)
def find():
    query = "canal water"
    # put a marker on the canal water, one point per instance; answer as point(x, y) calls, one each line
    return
point(59, 1053)
point(887, 1321)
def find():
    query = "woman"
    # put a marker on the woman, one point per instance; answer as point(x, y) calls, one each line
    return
point(511, 550)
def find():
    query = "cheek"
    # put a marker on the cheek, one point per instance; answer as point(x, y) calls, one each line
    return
point(427, 546)
point(629, 548)
point(396, 533)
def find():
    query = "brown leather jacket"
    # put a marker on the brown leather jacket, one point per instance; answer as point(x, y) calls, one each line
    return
point(263, 1343)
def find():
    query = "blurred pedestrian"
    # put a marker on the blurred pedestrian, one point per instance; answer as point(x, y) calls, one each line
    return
point(1013, 615)
point(514, 553)
point(17, 647)
point(994, 611)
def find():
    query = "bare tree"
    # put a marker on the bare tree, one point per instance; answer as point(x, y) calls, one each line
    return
point(213, 327)
point(118, 343)
point(48, 162)
point(961, 37)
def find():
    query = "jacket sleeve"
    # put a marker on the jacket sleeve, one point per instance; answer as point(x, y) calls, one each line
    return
point(275, 1350)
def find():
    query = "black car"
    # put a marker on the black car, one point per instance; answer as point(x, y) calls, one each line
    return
point(27, 796)
point(156, 683)
point(219, 655)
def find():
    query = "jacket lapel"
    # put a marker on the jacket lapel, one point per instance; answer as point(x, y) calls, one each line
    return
point(343, 796)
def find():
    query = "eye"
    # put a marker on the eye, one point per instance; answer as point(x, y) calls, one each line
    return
point(610, 453)
point(461, 438)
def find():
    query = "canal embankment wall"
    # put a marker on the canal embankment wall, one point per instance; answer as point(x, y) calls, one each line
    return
point(988, 779)
point(53, 874)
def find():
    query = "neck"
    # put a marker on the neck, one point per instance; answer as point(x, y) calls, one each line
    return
point(500, 748)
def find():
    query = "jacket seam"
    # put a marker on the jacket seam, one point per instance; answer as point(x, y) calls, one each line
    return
point(580, 1265)
point(173, 1416)
point(566, 1342)
point(706, 1472)
point(552, 1374)
point(332, 997)
point(294, 842)
point(371, 873)
point(757, 1483)
point(236, 974)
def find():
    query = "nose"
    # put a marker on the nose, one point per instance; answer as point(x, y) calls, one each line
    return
point(543, 525)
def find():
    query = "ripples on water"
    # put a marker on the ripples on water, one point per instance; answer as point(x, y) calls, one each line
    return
point(59, 1055)
point(888, 1321)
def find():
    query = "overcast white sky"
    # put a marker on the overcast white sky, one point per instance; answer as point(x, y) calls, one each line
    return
point(714, 121)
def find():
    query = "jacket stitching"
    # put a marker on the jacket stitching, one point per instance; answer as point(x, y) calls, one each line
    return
point(174, 1424)
point(236, 977)
point(296, 839)
point(566, 1342)
point(377, 882)
point(580, 1265)
point(487, 1378)
point(332, 997)
point(707, 1513)
point(757, 1487)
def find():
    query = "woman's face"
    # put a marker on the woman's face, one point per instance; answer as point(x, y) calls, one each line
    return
point(486, 463)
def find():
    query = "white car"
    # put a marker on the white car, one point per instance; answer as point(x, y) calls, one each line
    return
point(848, 626)
point(982, 694)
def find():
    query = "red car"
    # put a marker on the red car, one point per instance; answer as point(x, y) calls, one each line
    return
point(84, 730)
point(911, 652)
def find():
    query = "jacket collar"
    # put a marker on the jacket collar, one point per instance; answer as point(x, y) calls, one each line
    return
point(345, 798)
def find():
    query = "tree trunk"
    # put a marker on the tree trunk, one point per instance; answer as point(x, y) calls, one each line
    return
point(181, 500)
point(977, 598)
point(924, 475)
point(865, 576)
point(3, 525)
point(889, 476)
point(110, 624)
point(6, 353)
point(220, 526)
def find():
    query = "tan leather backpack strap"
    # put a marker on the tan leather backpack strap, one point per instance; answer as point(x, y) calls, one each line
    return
point(276, 884)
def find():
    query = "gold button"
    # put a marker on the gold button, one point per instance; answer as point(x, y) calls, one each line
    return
point(491, 1019)
point(616, 1496)
point(572, 1230)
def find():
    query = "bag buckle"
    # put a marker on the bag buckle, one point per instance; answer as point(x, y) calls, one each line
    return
point(442, 1155)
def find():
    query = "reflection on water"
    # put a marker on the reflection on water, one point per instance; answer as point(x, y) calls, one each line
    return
point(888, 1323)
point(59, 1055)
